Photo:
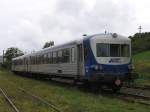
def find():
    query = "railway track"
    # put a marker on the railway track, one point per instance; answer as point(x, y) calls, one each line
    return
point(130, 94)
point(133, 98)
point(145, 87)
point(14, 107)
point(135, 94)
point(9, 100)
point(40, 99)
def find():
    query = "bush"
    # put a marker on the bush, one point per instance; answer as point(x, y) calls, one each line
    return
point(140, 42)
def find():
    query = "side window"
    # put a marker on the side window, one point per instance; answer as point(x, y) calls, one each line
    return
point(72, 54)
point(57, 59)
point(36, 59)
point(41, 59)
point(31, 60)
point(50, 57)
point(45, 58)
point(66, 55)
point(59, 56)
point(23, 61)
point(54, 57)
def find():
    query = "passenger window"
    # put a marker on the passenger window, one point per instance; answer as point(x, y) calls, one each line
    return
point(54, 57)
point(35, 59)
point(66, 55)
point(45, 58)
point(49, 57)
point(59, 56)
point(41, 59)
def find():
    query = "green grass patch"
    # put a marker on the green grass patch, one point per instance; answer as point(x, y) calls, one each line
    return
point(142, 67)
point(66, 98)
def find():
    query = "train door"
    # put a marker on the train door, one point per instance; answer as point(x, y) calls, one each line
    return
point(29, 64)
point(80, 59)
point(26, 64)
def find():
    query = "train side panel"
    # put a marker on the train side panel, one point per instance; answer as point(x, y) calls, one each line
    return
point(69, 69)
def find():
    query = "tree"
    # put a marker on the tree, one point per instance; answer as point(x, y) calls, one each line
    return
point(10, 53)
point(48, 44)
point(140, 42)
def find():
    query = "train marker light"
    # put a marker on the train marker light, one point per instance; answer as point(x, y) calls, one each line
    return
point(114, 35)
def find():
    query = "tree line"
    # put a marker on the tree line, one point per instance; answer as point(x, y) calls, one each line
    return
point(140, 42)
point(14, 52)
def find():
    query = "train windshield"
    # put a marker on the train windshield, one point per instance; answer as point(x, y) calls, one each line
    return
point(112, 50)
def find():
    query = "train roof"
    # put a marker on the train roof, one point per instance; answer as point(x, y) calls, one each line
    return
point(47, 49)
point(78, 41)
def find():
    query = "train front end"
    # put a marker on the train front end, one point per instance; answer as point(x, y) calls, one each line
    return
point(108, 59)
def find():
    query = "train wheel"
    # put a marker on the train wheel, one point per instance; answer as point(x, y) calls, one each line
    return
point(75, 81)
point(116, 89)
point(94, 87)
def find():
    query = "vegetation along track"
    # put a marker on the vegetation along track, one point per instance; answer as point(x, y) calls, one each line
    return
point(9, 100)
point(35, 97)
point(145, 87)
point(40, 99)
point(135, 94)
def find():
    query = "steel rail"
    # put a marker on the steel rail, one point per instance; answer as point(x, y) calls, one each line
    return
point(9, 101)
point(139, 87)
point(133, 98)
point(40, 99)
point(135, 95)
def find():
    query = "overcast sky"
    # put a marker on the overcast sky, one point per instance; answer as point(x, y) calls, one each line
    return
point(28, 24)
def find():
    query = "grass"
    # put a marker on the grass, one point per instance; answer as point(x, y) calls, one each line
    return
point(67, 98)
point(142, 67)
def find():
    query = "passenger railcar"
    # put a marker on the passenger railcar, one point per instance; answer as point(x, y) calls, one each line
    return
point(102, 58)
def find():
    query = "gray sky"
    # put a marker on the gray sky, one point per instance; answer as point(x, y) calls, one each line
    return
point(28, 24)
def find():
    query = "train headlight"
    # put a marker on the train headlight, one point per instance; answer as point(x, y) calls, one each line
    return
point(130, 67)
point(114, 35)
point(100, 67)
point(97, 67)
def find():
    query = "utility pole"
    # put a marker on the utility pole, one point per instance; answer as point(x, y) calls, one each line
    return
point(140, 29)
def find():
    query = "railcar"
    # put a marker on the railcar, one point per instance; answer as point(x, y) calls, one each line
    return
point(104, 59)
